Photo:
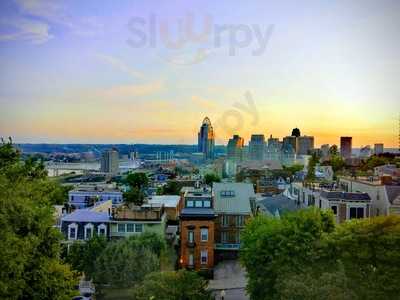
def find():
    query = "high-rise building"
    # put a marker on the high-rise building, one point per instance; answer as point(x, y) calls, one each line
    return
point(110, 161)
point(289, 140)
point(304, 145)
point(235, 148)
point(206, 139)
point(345, 146)
point(257, 147)
point(325, 151)
point(378, 149)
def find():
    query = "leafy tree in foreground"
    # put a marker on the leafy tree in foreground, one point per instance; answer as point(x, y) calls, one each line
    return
point(126, 262)
point(272, 247)
point(82, 256)
point(173, 285)
point(29, 244)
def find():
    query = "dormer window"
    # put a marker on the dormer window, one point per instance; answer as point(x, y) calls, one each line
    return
point(227, 193)
point(88, 231)
point(72, 231)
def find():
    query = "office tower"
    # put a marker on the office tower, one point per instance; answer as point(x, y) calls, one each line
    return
point(378, 149)
point(325, 151)
point(296, 132)
point(257, 147)
point(235, 148)
point(304, 145)
point(273, 141)
point(289, 140)
point(206, 139)
point(110, 162)
point(345, 146)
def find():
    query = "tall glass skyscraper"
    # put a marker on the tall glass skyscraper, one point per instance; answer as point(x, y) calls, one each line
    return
point(206, 139)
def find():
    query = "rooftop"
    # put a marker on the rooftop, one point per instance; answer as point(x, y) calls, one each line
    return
point(166, 200)
point(333, 195)
point(278, 203)
point(233, 197)
point(86, 215)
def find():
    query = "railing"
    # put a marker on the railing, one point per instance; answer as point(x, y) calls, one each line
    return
point(223, 246)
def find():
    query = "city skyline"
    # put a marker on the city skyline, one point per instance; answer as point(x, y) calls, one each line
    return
point(73, 75)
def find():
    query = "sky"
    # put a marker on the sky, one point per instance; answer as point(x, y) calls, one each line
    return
point(150, 71)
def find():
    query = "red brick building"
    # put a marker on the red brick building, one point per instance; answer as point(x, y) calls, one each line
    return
point(197, 229)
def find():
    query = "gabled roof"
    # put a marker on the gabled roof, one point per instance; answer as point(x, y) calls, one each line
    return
point(237, 202)
point(279, 203)
point(392, 192)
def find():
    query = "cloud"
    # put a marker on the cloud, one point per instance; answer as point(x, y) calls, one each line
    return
point(119, 65)
point(130, 90)
point(34, 20)
point(24, 29)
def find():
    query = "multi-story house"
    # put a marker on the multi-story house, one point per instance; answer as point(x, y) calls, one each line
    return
point(384, 194)
point(86, 195)
point(83, 224)
point(127, 221)
point(234, 204)
point(197, 229)
point(346, 205)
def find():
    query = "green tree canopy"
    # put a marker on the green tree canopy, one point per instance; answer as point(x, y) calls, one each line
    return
point(29, 244)
point(126, 262)
point(304, 256)
point(210, 178)
point(137, 180)
point(134, 195)
point(173, 285)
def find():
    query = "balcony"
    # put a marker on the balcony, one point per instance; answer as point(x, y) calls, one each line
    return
point(226, 246)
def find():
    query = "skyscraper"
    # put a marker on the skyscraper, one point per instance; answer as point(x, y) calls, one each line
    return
point(345, 146)
point(206, 139)
point(296, 132)
point(304, 144)
point(378, 148)
point(110, 161)
point(235, 148)
point(257, 147)
point(290, 140)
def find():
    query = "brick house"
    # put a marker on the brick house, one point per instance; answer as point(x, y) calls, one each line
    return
point(197, 229)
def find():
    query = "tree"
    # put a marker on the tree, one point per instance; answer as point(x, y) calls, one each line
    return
point(137, 180)
point(82, 256)
point(210, 178)
point(126, 262)
point(29, 244)
point(173, 285)
point(171, 188)
point(134, 195)
point(273, 247)
point(369, 250)
point(333, 150)
point(312, 162)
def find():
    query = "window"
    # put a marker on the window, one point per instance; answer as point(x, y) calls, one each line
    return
point(204, 234)
point(130, 227)
point(138, 227)
point(356, 212)
point(334, 209)
point(225, 220)
point(102, 230)
point(224, 237)
point(239, 221)
point(189, 203)
point(190, 236)
point(72, 231)
point(227, 194)
point(203, 257)
point(191, 259)
point(207, 203)
point(88, 231)
point(199, 203)
point(238, 237)
point(121, 227)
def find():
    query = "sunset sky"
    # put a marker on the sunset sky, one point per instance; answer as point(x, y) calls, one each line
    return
point(138, 72)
